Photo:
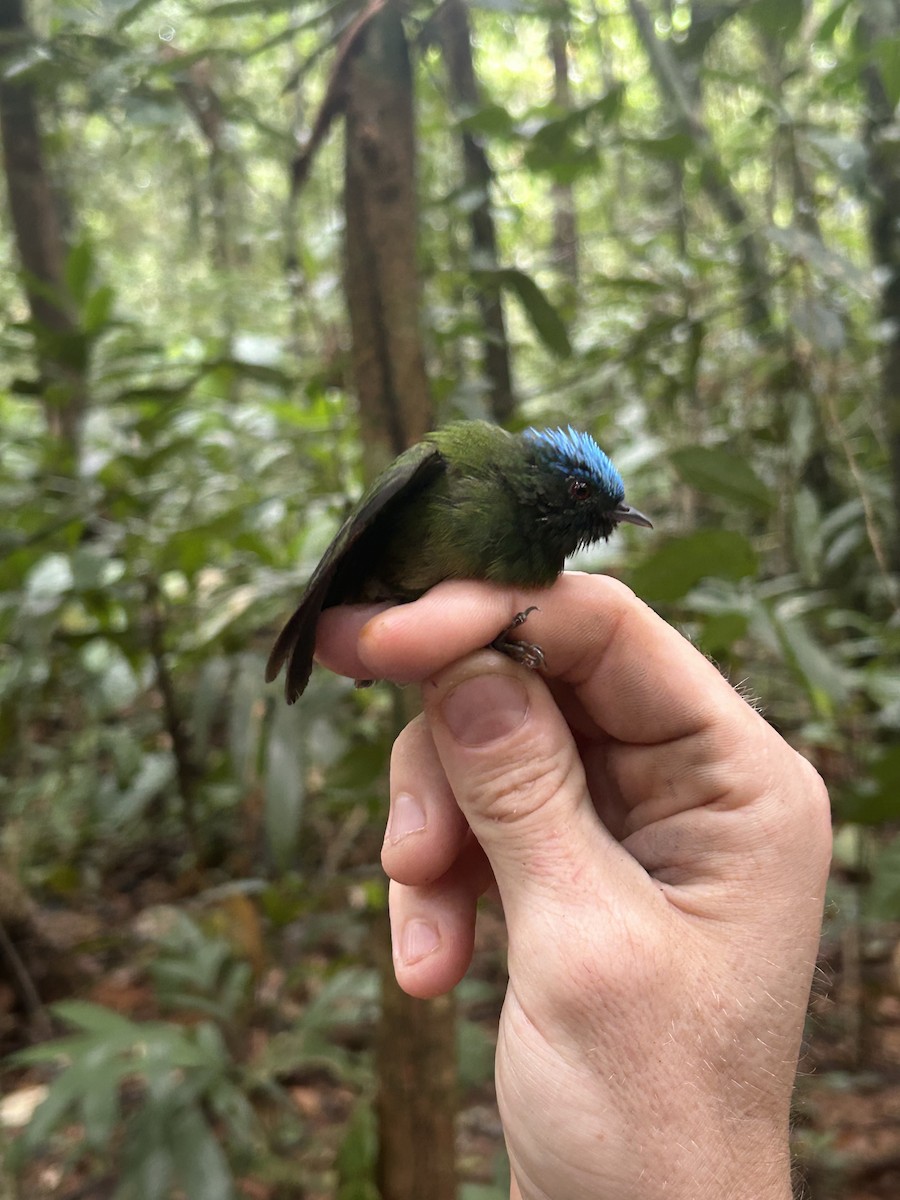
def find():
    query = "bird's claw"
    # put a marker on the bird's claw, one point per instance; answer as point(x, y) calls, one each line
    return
point(521, 617)
point(526, 653)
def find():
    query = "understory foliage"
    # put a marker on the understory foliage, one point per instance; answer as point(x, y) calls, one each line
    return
point(719, 326)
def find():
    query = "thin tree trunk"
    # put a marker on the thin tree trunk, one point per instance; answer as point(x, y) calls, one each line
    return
point(565, 219)
point(195, 85)
point(416, 1045)
point(454, 35)
point(382, 283)
point(60, 350)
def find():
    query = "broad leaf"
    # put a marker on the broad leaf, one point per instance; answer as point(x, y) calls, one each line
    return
point(544, 318)
point(672, 570)
point(720, 473)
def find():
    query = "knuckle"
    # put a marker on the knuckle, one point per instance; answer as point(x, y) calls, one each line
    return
point(516, 787)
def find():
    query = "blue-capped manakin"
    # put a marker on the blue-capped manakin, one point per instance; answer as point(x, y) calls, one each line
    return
point(471, 501)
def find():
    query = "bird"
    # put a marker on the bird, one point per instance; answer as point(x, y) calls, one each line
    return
point(470, 501)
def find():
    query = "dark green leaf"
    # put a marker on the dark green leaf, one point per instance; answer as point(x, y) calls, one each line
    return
point(492, 120)
point(79, 270)
point(285, 785)
point(816, 665)
point(97, 310)
point(545, 320)
point(671, 146)
point(720, 631)
point(886, 53)
point(200, 1165)
point(828, 27)
point(776, 18)
point(96, 1019)
point(358, 1156)
point(678, 565)
point(875, 799)
point(721, 473)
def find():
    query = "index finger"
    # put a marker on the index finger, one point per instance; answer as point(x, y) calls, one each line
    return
point(636, 677)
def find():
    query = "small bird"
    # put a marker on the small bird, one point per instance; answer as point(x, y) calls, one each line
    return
point(470, 501)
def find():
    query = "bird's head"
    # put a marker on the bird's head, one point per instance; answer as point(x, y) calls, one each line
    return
point(579, 494)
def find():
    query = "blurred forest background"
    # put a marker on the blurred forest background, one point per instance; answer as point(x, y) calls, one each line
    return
point(251, 248)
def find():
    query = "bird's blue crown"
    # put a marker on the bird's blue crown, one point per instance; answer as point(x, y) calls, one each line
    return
point(576, 453)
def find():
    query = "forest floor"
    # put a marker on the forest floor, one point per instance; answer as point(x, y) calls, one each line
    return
point(847, 1113)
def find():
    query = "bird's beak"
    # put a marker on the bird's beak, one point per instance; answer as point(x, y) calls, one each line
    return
point(630, 516)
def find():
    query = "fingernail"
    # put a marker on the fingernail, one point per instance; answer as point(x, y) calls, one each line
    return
point(407, 816)
point(481, 710)
point(419, 939)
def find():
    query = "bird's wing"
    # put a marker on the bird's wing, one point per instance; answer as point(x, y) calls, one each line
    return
point(405, 477)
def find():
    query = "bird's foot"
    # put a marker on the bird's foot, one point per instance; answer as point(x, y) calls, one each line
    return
point(526, 653)
point(363, 683)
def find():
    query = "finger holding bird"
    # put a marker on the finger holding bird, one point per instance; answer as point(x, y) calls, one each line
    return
point(398, 642)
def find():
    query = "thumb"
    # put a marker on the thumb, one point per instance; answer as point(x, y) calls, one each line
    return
point(515, 771)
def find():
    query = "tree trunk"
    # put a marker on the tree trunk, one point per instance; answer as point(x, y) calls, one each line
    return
point(60, 349)
point(455, 39)
point(416, 1048)
point(565, 220)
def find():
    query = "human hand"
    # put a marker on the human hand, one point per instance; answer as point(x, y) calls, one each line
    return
point(661, 855)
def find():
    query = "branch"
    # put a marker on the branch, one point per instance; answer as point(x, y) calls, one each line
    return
point(185, 769)
point(335, 94)
point(25, 985)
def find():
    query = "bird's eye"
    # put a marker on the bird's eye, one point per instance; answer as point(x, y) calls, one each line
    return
point(579, 489)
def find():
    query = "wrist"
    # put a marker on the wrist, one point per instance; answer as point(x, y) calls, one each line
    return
point(745, 1162)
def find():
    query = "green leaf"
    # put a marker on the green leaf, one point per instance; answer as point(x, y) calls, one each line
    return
point(721, 473)
point(549, 132)
point(678, 565)
point(247, 693)
point(720, 631)
point(544, 318)
point(100, 1102)
point(474, 1054)
point(148, 1161)
point(775, 18)
point(875, 799)
point(491, 120)
point(669, 147)
point(98, 309)
point(886, 53)
point(284, 788)
point(358, 1156)
point(210, 692)
point(78, 270)
point(94, 1018)
point(200, 1165)
point(824, 677)
point(882, 901)
point(828, 27)
point(360, 766)
point(61, 1099)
